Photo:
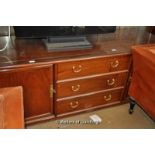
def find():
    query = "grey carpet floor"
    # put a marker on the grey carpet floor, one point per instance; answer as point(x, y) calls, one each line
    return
point(112, 118)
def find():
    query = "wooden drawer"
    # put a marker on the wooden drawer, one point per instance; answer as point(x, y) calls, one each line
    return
point(81, 68)
point(71, 88)
point(80, 103)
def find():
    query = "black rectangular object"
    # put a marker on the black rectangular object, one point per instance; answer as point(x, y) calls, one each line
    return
point(56, 31)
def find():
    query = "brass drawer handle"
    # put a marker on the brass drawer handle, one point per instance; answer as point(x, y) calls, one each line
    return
point(74, 105)
point(107, 98)
point(111, 82)
point(77, 69)
point(115, 64)
point(76, 88)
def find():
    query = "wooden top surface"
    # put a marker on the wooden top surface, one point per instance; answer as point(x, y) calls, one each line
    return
point(145, 51)
point(146, 47)
point(21, 51)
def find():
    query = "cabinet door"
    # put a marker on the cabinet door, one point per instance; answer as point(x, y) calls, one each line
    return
point(36, 83)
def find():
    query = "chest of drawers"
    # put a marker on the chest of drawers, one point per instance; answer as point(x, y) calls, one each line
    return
point(89, 84)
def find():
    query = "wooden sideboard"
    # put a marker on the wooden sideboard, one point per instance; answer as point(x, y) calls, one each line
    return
point(55, 89)
point(57, 84)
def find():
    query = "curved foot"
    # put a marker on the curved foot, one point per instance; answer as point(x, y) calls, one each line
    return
point(130, 111)
point(132, 105)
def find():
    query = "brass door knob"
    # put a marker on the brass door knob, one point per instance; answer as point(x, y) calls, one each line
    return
point(115, 64)
point(111, 82)
point(107, 98)
point(74, 105)
point(52, 90)
point(76, 88)
point(77, 69)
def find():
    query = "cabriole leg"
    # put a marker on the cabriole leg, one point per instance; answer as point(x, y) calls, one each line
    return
point(132, 105)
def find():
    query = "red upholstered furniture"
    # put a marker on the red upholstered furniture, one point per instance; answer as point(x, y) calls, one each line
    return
point(142, 87)
point(11, 108)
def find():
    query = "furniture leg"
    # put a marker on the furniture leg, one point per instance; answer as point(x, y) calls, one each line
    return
point(132, 105)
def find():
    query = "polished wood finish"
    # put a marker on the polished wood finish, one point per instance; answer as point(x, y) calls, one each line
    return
point(36, 88)
point(91, 84)
point(21, 51)
point(86, 102)
point(93, 66)
point(11, 108)
point(27, 63)
point(142, 89)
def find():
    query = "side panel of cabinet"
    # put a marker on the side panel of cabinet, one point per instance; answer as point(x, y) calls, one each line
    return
point(36, 84)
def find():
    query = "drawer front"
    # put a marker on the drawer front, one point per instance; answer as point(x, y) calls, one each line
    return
point(71, 88)
point(75, 69)
point(86, 102)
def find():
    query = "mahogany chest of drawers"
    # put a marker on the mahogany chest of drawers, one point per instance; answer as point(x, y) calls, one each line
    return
point(89, 84)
